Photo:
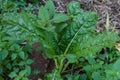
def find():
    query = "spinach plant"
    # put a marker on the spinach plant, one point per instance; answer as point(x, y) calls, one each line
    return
point(65, 38)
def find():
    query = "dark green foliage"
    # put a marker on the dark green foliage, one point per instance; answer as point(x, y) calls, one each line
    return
point(13, 60)
point(68, 39)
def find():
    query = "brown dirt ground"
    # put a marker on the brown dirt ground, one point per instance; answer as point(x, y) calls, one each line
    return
point(101, 7)
point(40, 63)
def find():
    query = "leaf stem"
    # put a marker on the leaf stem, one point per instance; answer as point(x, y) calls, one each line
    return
point(56, 64)
point(71, 41)
point(66, 65)
point(54, 75)
point(61, 65)
point(66, 50)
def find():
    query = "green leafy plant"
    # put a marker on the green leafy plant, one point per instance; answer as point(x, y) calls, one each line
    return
point(68, 39)
point(14, 61)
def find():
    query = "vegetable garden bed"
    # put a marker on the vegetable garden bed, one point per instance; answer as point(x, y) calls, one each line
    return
point(39, 42)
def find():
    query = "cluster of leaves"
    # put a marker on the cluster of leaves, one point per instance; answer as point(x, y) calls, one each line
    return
point(68, 39)
point(18, 5)
point(14, 61)
point(80, 41)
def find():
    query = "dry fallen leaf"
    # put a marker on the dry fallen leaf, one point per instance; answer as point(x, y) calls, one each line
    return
point(117, 46)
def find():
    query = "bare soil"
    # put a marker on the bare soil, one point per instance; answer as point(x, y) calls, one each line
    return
point(40, 63)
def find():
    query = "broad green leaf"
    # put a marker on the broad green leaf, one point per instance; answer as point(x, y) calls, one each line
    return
point(43, 14)
point(69, 77)
point(8, 65)
point(27, 48)
point(21, 63)
point(25, 79)
point(28, 70)
point(60, 27)
point(3, 54)
point(12, 74)
point(50, 28)
point(49, 44)
point(79, 29)
point(117, 65)
point(29, 61)
point(76, 76)
point(14, 47)
point(87, 68)
point(80, 39)
point(17, 78)
point(13, 56)
point(19, 24)
point(22, 73)
point(50, 7)
point(118, 75)
point(21, 55)
point(96, 76)
point(83, 77)
point(71, 58)
point(73, 8)
point(91, 60)
point(58, 18)
point(3, 44)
